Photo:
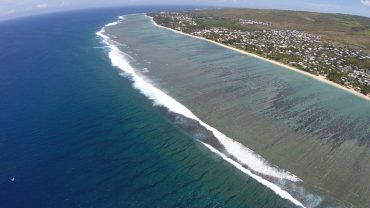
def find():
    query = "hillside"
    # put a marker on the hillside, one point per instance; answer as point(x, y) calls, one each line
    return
point(342, 30)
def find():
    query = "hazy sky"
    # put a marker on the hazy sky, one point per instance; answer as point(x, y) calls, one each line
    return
point(15, 8)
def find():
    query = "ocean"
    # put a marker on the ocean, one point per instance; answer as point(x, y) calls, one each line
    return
point(292, 130)
point(102, 111)
point(74, 133)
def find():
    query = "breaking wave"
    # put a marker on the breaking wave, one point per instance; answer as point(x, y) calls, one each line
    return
point(237, 154)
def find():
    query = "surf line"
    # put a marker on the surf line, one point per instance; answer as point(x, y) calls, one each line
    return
point(241, 153)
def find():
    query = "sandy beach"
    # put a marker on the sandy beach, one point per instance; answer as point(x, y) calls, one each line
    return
point(298, 124)
point(319, 78)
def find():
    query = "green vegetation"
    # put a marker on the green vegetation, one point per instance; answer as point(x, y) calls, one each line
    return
point(351, 23)
point(340, 29)
point(366, 32)
point(335, 76)
point(357, 62)
point(336, 46)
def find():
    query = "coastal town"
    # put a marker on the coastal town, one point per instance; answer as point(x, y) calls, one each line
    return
point(308, 52)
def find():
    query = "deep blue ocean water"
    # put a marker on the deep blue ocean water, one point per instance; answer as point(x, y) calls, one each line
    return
point(73, 133)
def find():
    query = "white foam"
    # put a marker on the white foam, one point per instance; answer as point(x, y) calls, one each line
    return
point(283, 194)
point(111, 24)
point(240, 153)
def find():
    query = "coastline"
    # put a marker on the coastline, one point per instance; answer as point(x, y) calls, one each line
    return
point(239, 152)
point(319, 78)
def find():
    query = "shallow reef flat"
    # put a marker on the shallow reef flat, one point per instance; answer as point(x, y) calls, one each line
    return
point(313, 130)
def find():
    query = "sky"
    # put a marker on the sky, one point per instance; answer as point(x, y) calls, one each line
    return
point(16, 8)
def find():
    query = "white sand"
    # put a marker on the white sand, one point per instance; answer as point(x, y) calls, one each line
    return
point(319, 78)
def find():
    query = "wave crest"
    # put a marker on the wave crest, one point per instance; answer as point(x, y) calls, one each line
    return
point(240, 155)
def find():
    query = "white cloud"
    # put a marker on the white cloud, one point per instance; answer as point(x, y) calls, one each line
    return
point(42, 6)
point(64, 4)
point(9, 12)
point(366, 2)
point(6, 1)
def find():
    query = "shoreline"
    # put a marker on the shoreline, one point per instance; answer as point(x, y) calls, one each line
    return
point(316, 77)
point(160, 98)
